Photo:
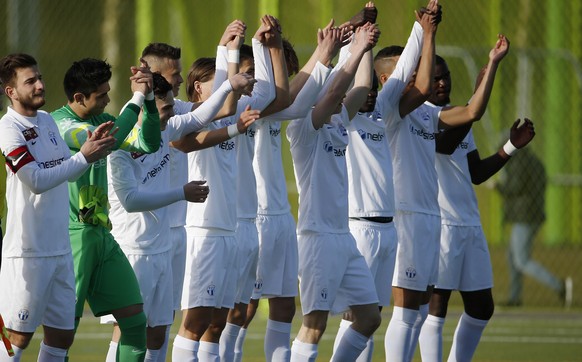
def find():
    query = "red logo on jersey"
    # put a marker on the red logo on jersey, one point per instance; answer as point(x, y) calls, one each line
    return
point(18, 158)
point(29, 134)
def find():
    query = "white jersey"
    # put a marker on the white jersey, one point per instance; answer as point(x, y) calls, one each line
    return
point(38, 165)
point(139, 184)
point(457, 198)
point(178, 172)
point(321, 174)
point(246, 184)
point(371, 191)
point(369, 160)
point(412, 144)
point(268, 163)
point(217, 165)
point(143, 230)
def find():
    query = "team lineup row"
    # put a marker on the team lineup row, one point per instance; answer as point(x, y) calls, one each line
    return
point(182, 206)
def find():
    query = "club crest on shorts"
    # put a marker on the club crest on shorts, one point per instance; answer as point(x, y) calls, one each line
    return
point(259, 284)
point(210, 289)
point(324, 294)
point(410, 272)
point(23, 314)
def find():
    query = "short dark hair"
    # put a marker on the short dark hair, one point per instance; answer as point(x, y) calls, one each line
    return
point(290, 58)
point(85, 76)
point(10, 63)
point(246, 52)
point(162, 50)
point(202, 70)
point(161, 85)
point(388, 52)
point(440, 60)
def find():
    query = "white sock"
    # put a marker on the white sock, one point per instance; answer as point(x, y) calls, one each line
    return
point(399, 333)
point(466, 338)
point(227, 341)
point(368, 352)
point(238, 347)
point(111, 352)
point(422, 314)
point(208, 352)
point(185, 349)
point(343, 327)
point(151, 355)
point(277, 339)
point(164, 349)
point(350, 346)
point(51, 354)
point(431, 339)
point(303, 352)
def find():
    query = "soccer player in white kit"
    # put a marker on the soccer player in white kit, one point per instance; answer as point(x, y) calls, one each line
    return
point(412, 142)
point(278, 260)
point(464, 262)
point(210, 280)
point(333, 274)
point(140, 218)
point(371, 191)
point(37, 277)
point(165, 59)
point(246, 229)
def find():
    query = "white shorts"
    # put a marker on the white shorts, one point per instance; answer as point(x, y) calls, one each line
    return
point(377, 242)
point(464, 263)
point(247, 257)
point(154, 275)
point(417, 254)
point(38, 291)
point(209, 279)
point(278, 265)
point(333, 274)
point(178, 255)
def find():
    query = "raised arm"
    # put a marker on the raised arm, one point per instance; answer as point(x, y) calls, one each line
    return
point(274, 41)
point(454, 116)
point(202, 116)
point(422, 87)
point(482, 169)
point(204, 139)
point(365, 38)
point(362, 84)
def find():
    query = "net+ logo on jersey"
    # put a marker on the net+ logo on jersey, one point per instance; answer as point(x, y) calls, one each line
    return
point(376, 137)
point(274, 131)
point(328, 146)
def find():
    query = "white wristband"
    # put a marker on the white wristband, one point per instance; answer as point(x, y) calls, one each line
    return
point(234, 56)
point(137, 98)
point(232, 130)
point(509, 148)
point(150, 96)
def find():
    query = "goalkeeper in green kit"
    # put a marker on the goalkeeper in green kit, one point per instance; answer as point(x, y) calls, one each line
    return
point(103, 275)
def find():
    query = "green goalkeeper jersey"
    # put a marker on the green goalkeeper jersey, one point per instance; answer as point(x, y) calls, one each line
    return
point(88, 195)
